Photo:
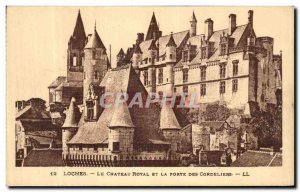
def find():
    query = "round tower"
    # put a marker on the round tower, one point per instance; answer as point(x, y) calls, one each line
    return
point(70, 125)
point(170, 62)
point(95, 61)
point(193, 28)
point(120, 138)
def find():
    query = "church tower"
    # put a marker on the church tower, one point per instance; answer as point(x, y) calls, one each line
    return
point(193, 22)
point(95, 62)
point(75, 51)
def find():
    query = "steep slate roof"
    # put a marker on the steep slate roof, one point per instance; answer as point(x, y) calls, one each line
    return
point(168, 119)
point(152, 27)
point(255, 159)
point(162, 41)
point(59, 80)
point(215, 37)
point(77, 40)
point(95, 41)
point(145, 120)
point(44, 158)
point(121, 52)
point(72, 115)
point(193, 18)
point(29, 112)
point(171, 41)
point(44, 125)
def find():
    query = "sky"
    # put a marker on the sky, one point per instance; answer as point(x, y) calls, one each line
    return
point(37, 37)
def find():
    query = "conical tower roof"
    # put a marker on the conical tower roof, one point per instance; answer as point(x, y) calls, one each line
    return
point(193, 18)
point(72, 115)
point(168, 119)
point(77, 39)
point(95, 41)
point(153, 27)
point(171, 42)
point(121, 116)
point(121, 52)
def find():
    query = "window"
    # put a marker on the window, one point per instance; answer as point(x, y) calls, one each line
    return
point(74, 61)
point(116, 146)
point(94, 54)
point(222, 70)
point(171, 56)
point(160, 75)
point(223, 49)
point(96, 75)
point(234, 85)
point(203, 89)
point(145, 77)
point(185, 56)
point(222, 87)
point(174, 89)
point(185, 76)
point(178, 146)
point(203, 53)
point(203, 73)
point(90, 110)
point(149, 60)
point(235, 68)
point(185, 89)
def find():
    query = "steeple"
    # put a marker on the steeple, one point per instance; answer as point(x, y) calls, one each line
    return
point(193, 27)
point(72, 115)
point(95, 41)
point(78, 37)
point(153, 30)
point(171, 42)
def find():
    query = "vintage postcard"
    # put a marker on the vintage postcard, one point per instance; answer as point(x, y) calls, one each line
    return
point(150, 96)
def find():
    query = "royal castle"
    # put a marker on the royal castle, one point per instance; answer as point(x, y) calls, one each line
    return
point(231, 66)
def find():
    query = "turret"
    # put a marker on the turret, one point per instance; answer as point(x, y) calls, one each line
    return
point(70, 125)
point(121, 131)
point(120, 57)
point(136, 58)
point(193, 28)
point(95, 62)
point(171, 50)
point(152, 52)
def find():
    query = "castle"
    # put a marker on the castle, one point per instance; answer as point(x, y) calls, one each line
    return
point(231, 66)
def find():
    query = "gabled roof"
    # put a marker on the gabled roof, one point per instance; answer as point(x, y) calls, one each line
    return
point(72, 115)
point(168, 119)
point(121, 117)
point(95, 41)
point(44, 158)
point(59, 80)
point(29, 112)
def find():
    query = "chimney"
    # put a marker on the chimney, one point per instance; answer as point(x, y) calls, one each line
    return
point(250, 17)
point(232, 24)
point(140, 38)
point(209, 28)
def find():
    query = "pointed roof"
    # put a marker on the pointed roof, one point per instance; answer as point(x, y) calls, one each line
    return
point(121, 52)
point(193, 18)
point(137, 49)
point(77, 40)
point(72, 115)
point(95, 41)
point(121, 117)
point(171, 42)
point(152, 46)
point(152, 27)
point(79, 28)
point(168, 119)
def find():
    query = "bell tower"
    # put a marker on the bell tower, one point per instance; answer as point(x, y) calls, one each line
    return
point(75, 51)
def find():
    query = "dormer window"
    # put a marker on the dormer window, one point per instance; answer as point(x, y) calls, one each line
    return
point(203, 52)
point(185, 56)
point(223, 49)
point(90, 110)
